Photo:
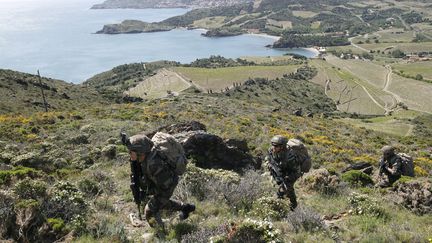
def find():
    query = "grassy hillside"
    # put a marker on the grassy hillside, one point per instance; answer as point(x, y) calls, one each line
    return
point(69, 161)
point(21, 93)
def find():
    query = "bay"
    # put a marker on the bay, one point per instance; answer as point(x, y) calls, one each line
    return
point(57, 38)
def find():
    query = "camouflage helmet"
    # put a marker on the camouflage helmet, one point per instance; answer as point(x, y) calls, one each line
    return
point(279, 140)
point(140, 143)
point(388, 150)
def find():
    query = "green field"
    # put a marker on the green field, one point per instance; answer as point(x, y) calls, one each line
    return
point(388, 35)
point(268, 59)
point(210, 22)
point(347, 94)
point(220, 78)
point(405, 47)
point(304, 14)
point(415, 94)
point(423, 68)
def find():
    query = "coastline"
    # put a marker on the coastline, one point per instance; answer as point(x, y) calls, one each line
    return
point(274, 37)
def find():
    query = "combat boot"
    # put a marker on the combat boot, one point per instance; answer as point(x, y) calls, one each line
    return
point(186, 210)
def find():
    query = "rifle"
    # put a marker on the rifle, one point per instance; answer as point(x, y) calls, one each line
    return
point(276, 173)
point(136, 174)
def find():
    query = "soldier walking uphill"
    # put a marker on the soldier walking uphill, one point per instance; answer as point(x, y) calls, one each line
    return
point(153, 176)
point(284, 167)
point(390, 166)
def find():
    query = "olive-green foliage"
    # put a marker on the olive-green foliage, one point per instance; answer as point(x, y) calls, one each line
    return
point(66, 202)
point(30, 189)
point(178, 230)
point(89, 187)
point(270, 208)
point(56, 224)
point(18, 172)
point(357, 178)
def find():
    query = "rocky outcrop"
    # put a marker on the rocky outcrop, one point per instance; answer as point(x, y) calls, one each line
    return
point(415, 195)
point(207, 150)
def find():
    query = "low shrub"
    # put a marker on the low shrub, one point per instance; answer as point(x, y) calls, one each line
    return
point(252, 231)
point(178, 230)
point(364, 205)
point(30, 189)
point(270, 208)
point(357, 178)
point(305, 219)
point(204, 235)
point(322, 181)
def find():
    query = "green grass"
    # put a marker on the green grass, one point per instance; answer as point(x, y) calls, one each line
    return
point(423, 68)
point(210, 22)
point(219, 78)
point(405, 47)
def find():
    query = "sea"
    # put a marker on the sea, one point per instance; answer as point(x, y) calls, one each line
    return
point(57, 38)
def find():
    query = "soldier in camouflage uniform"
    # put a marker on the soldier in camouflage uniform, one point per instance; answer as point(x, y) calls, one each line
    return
point(284, 168)
point(390, 166)
point(155, 179)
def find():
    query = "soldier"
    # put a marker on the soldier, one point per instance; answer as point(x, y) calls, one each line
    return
point(391, 166)
point(152, 176)
point(284, 167)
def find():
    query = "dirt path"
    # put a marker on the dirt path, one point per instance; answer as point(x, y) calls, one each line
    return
point(355, 45)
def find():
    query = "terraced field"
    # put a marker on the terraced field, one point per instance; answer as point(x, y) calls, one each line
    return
point(159, 85)
point(342, 88)
point(389, 35)
point(211, 22)
point(415, 94)
point(221, 78)
point(423, 68)
point(405, 47)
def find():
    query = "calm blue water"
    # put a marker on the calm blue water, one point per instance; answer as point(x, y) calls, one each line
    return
point(55, 36)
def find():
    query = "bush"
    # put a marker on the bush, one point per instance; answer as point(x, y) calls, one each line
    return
point(323, 182)
point(254, 231)
point(363, 205)
point(238, 195)
point(203, 235)
point(66, 202)
point(57, 225)
point(89, 187)
point(18, 172)
point(305, 219)
point(30, 189)
point(270, 208)
point(7, 215)
point(180, 229)
point(357, 178)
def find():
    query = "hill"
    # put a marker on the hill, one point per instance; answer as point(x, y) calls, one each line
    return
point(108, 4)
point(66, 174)
point(21, 93)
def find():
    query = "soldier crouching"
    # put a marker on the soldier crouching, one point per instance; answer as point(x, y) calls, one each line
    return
point(284, 167)
point(151, 176)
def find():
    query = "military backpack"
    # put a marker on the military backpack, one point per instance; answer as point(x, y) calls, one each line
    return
point(407, 164)
point(171, 151)
point(301, 152)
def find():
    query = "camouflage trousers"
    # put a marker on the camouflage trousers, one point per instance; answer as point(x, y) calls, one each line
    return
point(160, 200)
point(287, 190)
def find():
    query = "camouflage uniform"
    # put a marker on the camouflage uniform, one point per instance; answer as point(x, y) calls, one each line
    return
point(391, 166)
point(158, 181)
point(285, 170)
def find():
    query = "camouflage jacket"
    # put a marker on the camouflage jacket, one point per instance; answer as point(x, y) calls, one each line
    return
point(285, 162)
point(157, 176)
point(394, 163)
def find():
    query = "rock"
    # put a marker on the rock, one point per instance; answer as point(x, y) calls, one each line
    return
point(109, 151)
point(415, 195)
point(179, 128)
point(210, 151)
point(322, 181)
